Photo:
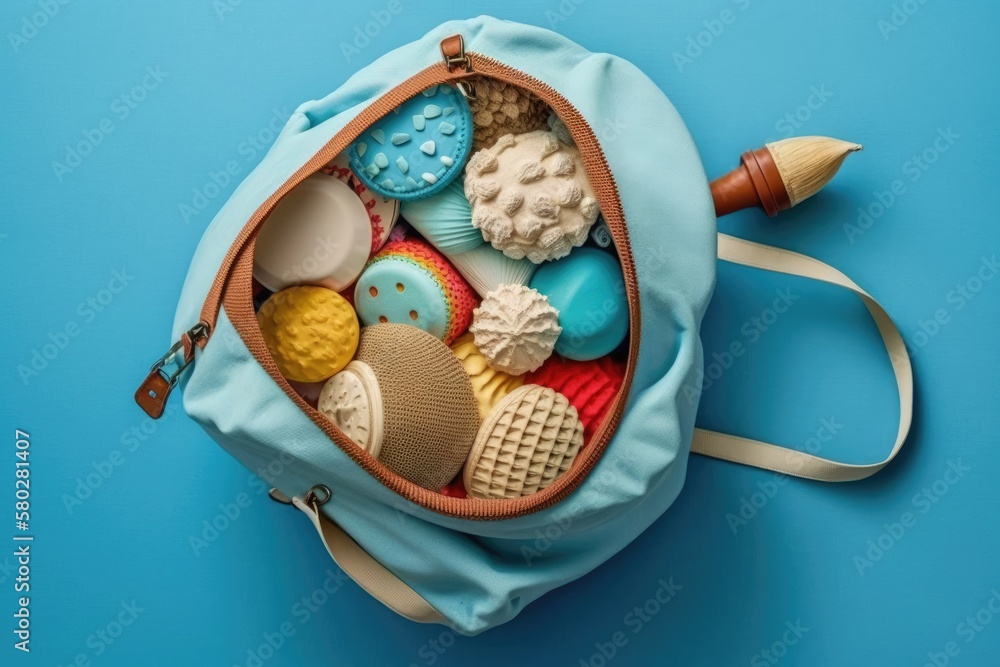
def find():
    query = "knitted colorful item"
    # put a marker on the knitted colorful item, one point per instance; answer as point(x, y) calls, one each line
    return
point(408, 282)
point(502, 108)
point(590, 386)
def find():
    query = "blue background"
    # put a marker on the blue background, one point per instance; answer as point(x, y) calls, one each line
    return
point(225, 75)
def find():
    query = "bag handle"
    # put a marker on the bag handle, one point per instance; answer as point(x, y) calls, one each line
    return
point(359, 565)
point(782, 459)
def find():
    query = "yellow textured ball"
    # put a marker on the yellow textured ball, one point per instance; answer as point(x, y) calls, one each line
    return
point(312, 332)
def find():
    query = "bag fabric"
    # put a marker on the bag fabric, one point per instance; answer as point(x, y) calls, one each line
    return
point(478, 574)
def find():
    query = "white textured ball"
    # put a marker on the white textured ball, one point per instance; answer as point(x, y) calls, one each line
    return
point(530, 196)
point(515, 328)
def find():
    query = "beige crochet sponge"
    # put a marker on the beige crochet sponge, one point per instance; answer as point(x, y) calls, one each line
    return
point(529, 439)
point(431, 416)
point(530, 196)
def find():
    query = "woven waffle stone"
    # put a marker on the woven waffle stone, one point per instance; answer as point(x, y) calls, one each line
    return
point(431, 416)
point(501, 108)
point(530, 438)
point(515, 328)
point(530, 196)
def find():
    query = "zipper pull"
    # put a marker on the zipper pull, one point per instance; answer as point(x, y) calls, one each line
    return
point(155, 389)
point(453, 52)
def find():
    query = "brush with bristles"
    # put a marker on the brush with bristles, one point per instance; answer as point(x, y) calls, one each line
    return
point(781, 174)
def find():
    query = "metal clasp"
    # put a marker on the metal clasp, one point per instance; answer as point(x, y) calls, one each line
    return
point(453, 51)
point(155, 389)
point(186, 343)
point(316, 496)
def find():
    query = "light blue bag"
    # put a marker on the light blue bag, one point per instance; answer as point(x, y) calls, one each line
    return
point(473, 574)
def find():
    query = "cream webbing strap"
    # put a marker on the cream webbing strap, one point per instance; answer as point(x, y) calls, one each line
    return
point(371, 575)
point(782, 459)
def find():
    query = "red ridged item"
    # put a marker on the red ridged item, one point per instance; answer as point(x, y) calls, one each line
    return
point(590, 386)
point(456, 489)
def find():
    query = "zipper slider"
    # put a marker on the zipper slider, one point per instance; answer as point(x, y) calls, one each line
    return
point(453, 52)
point(155, 389)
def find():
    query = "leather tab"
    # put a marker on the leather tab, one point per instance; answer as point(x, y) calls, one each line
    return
point(453, 51)
point(155, 389)
point(453, 47)
point(152, 394)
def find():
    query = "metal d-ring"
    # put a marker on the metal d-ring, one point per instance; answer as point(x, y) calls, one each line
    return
point(467, 90)
point(319, 495)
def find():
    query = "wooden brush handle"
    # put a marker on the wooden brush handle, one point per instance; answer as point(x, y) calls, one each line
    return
point(756, 182)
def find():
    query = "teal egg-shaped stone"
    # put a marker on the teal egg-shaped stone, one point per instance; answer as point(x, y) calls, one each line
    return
point(588, 289)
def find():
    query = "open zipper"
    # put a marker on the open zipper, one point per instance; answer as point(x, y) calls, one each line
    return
point(232, 286)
